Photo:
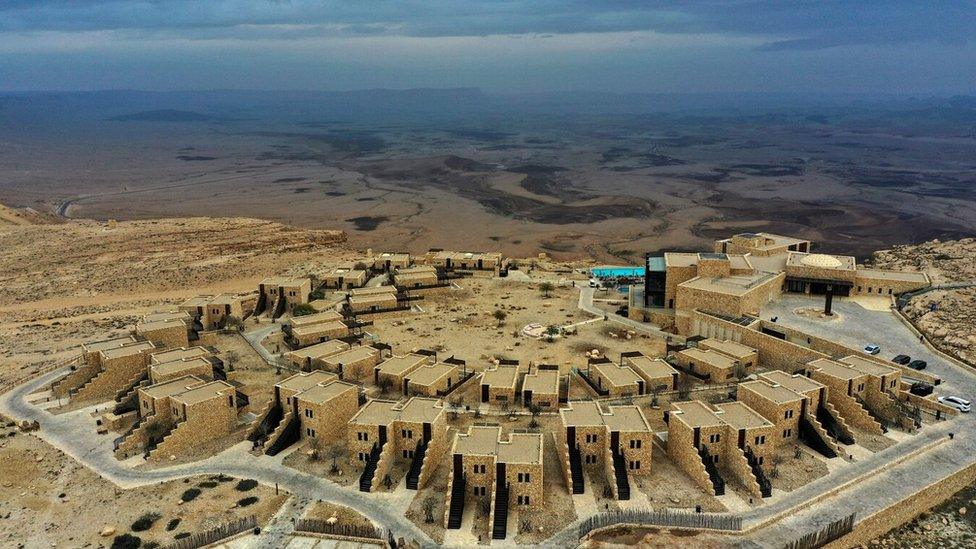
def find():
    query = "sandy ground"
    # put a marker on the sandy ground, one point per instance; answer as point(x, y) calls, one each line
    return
point(47, 498)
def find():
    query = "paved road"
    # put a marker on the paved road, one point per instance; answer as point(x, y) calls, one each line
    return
point(586, 304)
point(256, 336)
point(73, 433)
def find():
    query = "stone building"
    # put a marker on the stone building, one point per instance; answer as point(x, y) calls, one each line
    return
point(210, 312)
point(302, 331)
point(615, 380)
point(541, 388)
point(384, 433)
point(153, 408)
point(657, 374)
point(432, 380)
point(709, 365)
point(165, 329)
point(394, 371)
point(505, 471)
point(464, 261)
point(745, 356)
point(499, 385)
point(761, 244)
point(279, 295)
point(374, 302)
point(356, 363)
point(117, 368)
point(618, 442)
point(343, 278)
point(389, 261)
point(199, 366)
point(728, 442)
point(860, 389)
point(308, 358)
point(200, 414)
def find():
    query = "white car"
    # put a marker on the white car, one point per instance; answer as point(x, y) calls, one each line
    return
point(958, 403)
point(872, 349)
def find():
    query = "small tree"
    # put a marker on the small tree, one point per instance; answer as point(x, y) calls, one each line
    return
point(429, 510)
point(314, 445)
point(302, 309)
point(684, 386)
point(534, 409)
point(230, 359)
point(233, 322)
point(552, 332)
point(154, 431)
point(500, 316)
point(546, 288)
point(335, 453)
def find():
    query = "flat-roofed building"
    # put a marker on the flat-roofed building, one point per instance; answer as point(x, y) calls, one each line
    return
point(421, 276)
point(165, 329)
point(847, 391)
point(324, 410)
point(541, 388)
point(210, 312)
point(491, 467)
point(388, 261)
point(615, 379)
point(707, 364)
point(780, 405)
point(355, 363)
point(761, 244)
point(180, 353)
point(730, 440)
point(91, 352)
point(394, 371)
point(375, 302)
point(198, 366)
point(464, 261)
point(118, 368)
point(657, 374)
point(499, 385)
point(384, 433)
point(617, 441)
point(311, 356)
point(747, 357)
point(432, 380)
point(155, 415)
point(201, 414)
point(733, 296)
point(885, 282)
point(280, 294)
point(315, 328)
point(343, 278)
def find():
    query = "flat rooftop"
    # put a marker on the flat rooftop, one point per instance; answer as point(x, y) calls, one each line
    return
point(587, 413)
point(502, 376)
point(651, 367)
point(487, 441)
point(736, 285)
point(399, 365)
point(775, 393)
point(705, 356)
point(171, 387)
point(727, 347)
point(680, 259)
point(903, 276)
point(316, 318)
point(324, 392)
point(202, 393)
point(302, 381)
point(417, 269)
point(695, 414)
point(344, 272)
point(372, 298)
point(180, 365)
point(285, 281)
point(835, 369)
point(740, 416)
point(128, 350)
point(373, 291)
point(616, 374)
point(542, 382)
point(385, 412)
point(318, 328)
point(796, 382)
point(197, 301)
point(320, 350)
point(160, 324)
point(868, 366)
point(163, 316)
point(428, 374)
point(96, 346)
point(353, 354)
point(179, 354)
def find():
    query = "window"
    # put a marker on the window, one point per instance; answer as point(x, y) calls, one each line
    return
point(479, 490)
point(761, 460)
point(590, 458)
point(308, 412)
point(362, 435)
point(406, 433)
point(523, 500)
point(310, 432)
point(860, 387)
point(636, 443)
point(787, 433)
point(362, 456)
point(892, 384)
point(525, 477)
point(592, 438)
point(715, 458)
point(714, 438)
point(788, 415)
point(635, 465)
point(760, 440)
point(479, 468)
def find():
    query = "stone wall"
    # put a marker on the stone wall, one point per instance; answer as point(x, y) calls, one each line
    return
point(117, 374)
point(205, 421)
point(774, 353)
point(534, 488)
point(173, 336)
point(329, 419)
point(74, 380)
point(775, 412)
point(682, 451)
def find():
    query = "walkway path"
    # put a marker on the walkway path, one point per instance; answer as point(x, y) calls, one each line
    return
point(258, 335)
point(586, 304)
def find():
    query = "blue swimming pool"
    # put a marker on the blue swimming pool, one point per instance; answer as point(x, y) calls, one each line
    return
point(617, 272)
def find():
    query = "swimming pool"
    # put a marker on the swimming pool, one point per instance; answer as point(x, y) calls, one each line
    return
point(617, 272)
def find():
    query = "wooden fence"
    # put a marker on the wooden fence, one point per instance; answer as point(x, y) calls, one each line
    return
point(833, 531)
point(322, 526)
point(224, 531)
point(662, 517)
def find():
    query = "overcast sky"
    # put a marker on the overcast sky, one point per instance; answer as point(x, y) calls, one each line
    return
point(501, 46)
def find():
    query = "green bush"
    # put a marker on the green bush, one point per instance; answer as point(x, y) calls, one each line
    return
point(207, 484)
point(145, 522)
point(173, 524)
point(126, 541)
point(250, 500)
point(246, 485)
point(190, 494)
point(303, 309)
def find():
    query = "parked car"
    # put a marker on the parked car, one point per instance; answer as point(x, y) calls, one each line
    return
point(921, 389)
point(872, 349)
point(902, 359)
point(918, 364)
point(958, 403)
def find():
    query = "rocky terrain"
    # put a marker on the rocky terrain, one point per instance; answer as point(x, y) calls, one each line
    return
point(946, 316)
point(952, 524)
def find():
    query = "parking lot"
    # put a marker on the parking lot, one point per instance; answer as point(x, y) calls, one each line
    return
point(855, 327)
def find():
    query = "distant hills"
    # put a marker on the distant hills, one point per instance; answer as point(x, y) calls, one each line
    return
point(162, 115)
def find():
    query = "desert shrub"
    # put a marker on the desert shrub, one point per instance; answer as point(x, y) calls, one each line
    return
point(126, 541)
point(250, 500)
point(190, 494)
point(145, 522)
point(171, 525)
point(246, 485)
point(182, 535)
point(222, 478)
point(151, 545)
point(207, 484)
point(302, 309)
